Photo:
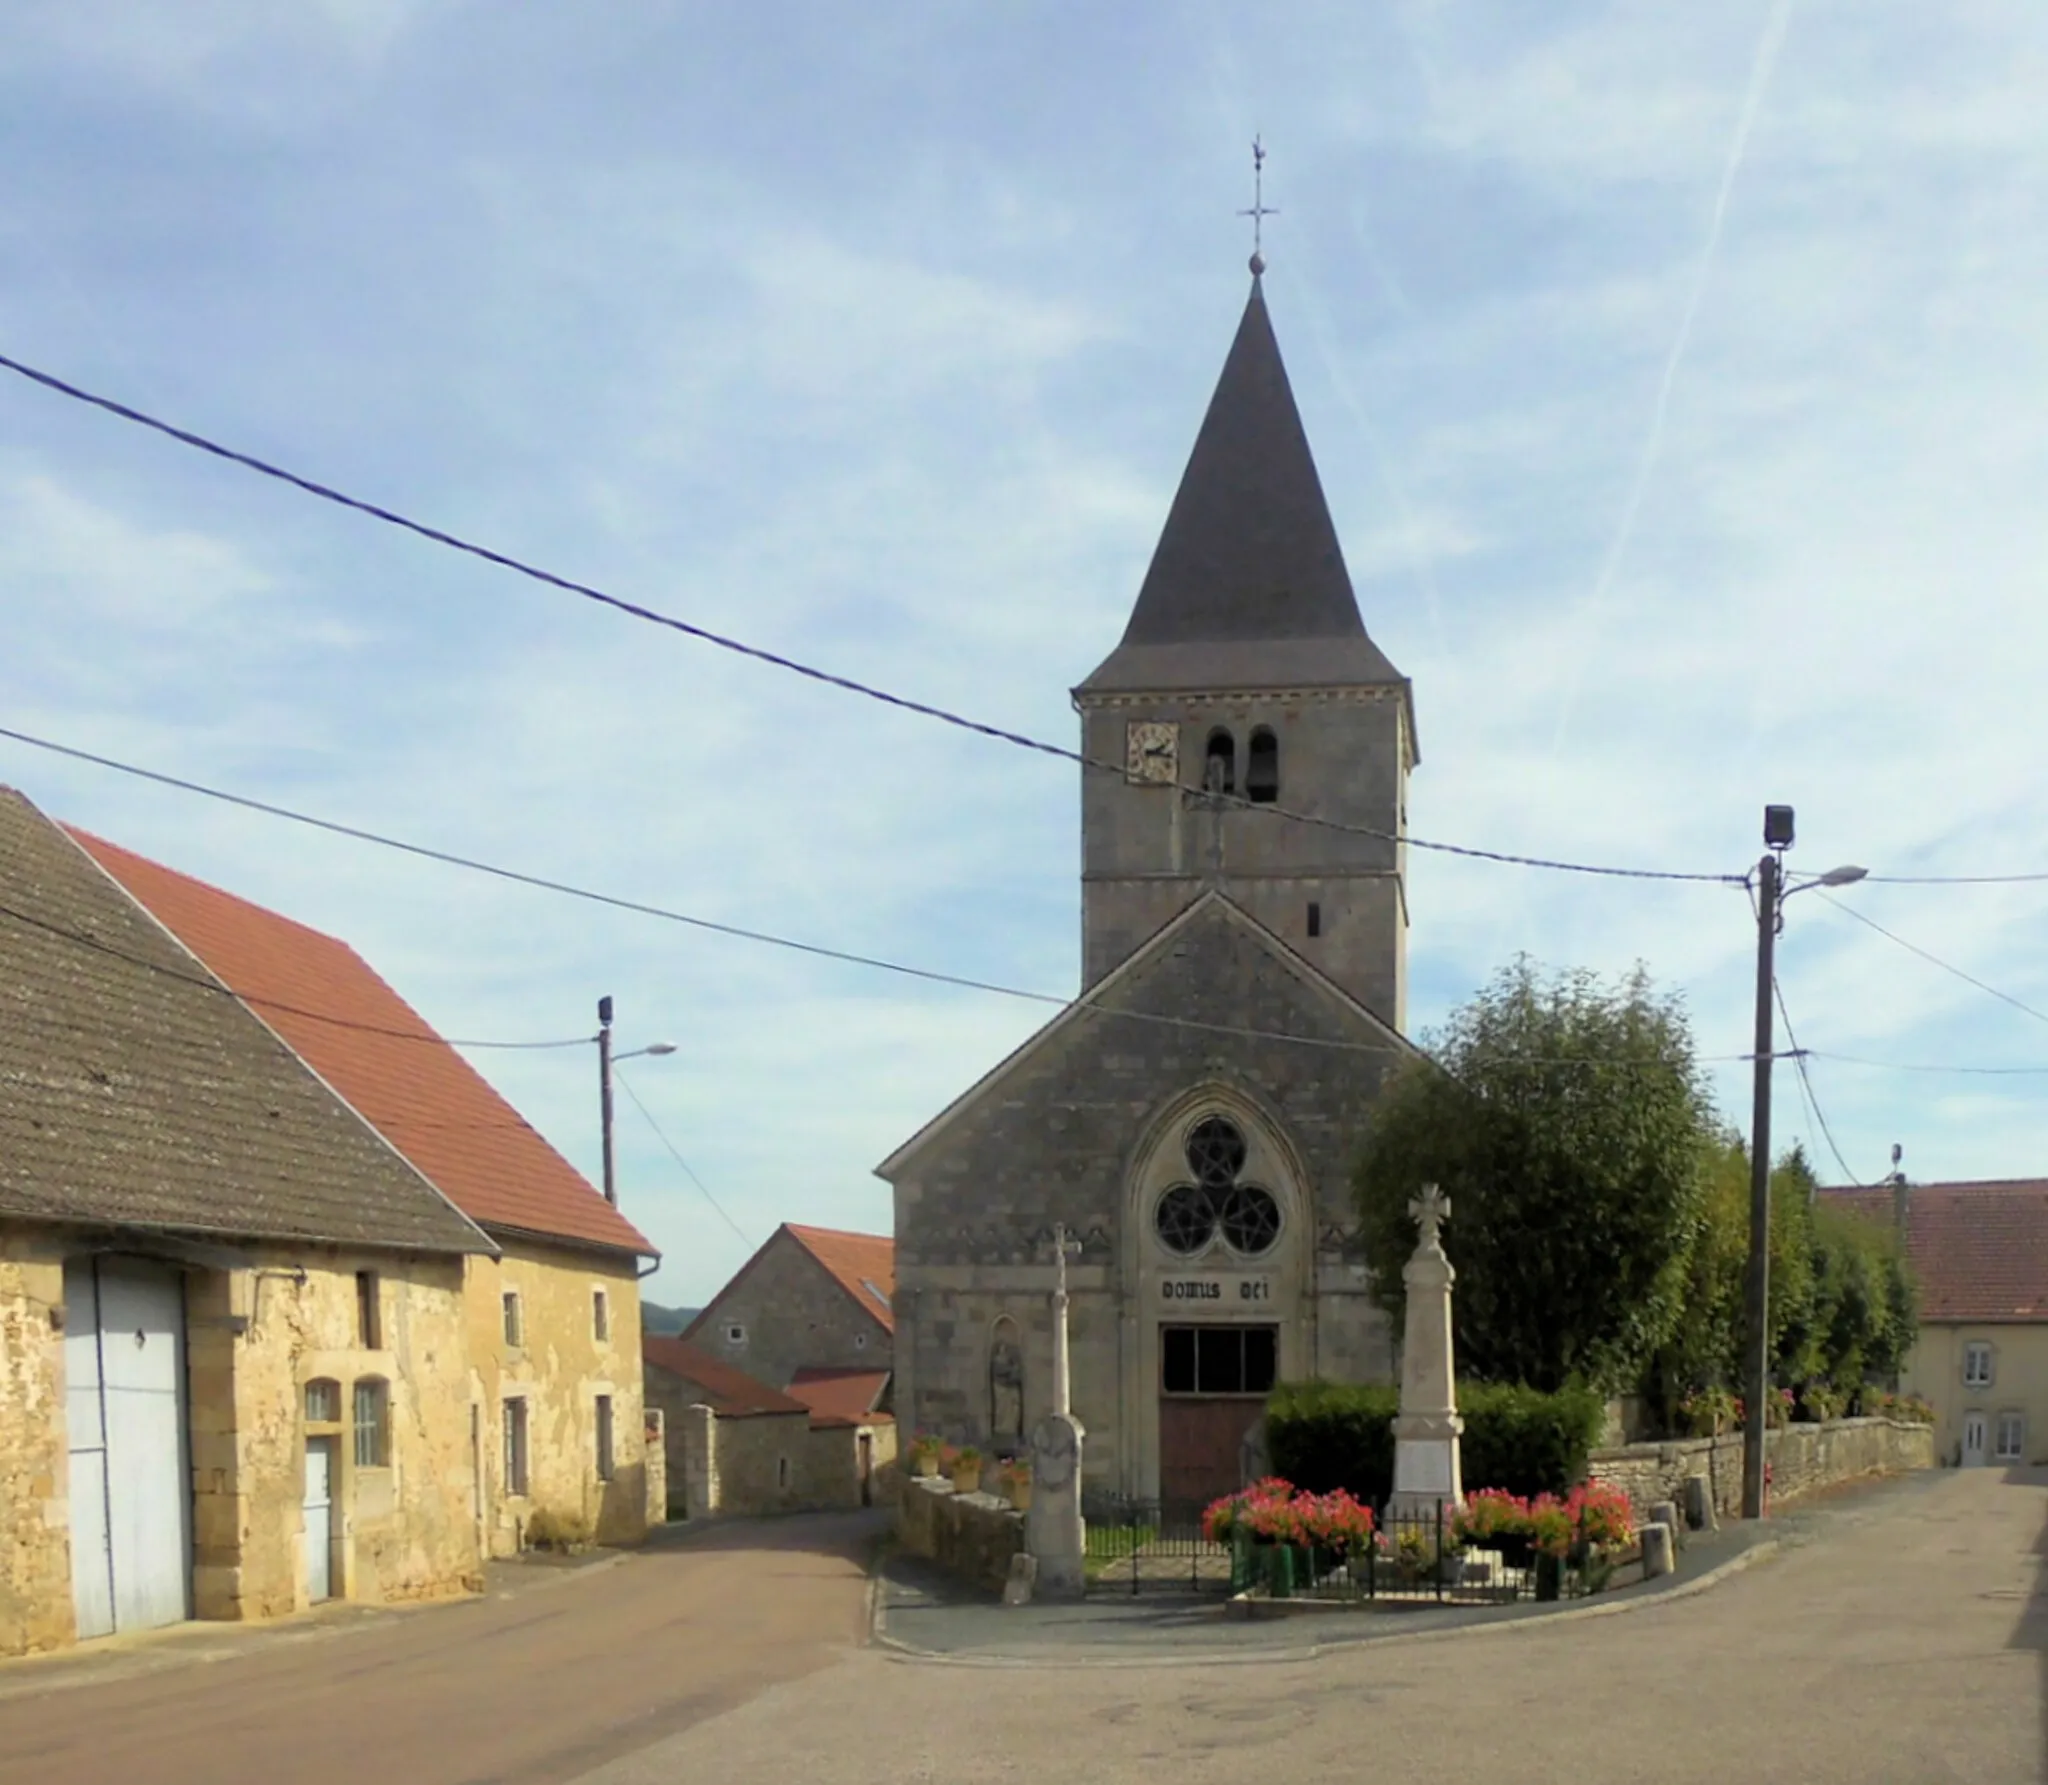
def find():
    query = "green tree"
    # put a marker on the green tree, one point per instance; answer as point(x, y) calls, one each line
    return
point(1567, 1121)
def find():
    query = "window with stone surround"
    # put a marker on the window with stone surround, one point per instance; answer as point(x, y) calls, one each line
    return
point(1977, 1365)
point(515, 1319)
point(372, 1423)
point(1218, 1360)
point(1219, 763)
point(2011, 1437)
point(1189, 1217)
point(601, 1316)
point(323, 1402)
point(515, 1444)
point(1262, 768)
point(604, 1437)
point(369, 1312)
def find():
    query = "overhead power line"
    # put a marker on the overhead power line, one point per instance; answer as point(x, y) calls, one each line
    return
point(1806, 1082)
point(220, 986)
point(1935, 960)
point(568, 889)
point(619, 1078)
point(777, 660)
point(1815, 1053)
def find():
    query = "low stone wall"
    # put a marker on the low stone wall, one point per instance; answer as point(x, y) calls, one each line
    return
point(971, 1536)
point(1802, 1458)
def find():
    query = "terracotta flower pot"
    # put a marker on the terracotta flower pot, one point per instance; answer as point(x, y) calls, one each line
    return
point(925, 1463)
point(967, 1481)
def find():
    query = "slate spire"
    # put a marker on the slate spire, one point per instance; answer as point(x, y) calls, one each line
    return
point(1247, 586)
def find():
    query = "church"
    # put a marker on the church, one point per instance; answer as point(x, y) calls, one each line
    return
point(1191, 1122)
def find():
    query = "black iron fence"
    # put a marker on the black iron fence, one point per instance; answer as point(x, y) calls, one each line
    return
point(1146, 1546)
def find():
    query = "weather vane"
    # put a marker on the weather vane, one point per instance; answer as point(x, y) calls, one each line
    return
point(1260, 210)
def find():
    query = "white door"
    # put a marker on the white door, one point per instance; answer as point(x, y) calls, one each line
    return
point(319, 1519)
point(125, 1353)
point(1973, 1440)
point(92, 1562)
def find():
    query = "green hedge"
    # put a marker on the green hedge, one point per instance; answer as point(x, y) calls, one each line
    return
point(1324, 1435)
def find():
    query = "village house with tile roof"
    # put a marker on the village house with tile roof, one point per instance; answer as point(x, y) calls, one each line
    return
point(738, 1447)
point(1979, 1251)
point(234, 1359)
point(556, 1425)
point(809, 1297)
point(810, 1316)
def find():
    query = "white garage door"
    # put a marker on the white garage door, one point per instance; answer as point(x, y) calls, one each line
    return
point(124, 1357)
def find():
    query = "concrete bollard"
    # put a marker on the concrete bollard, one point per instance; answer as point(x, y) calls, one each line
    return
point(1699, 1503)
point(1023, 1577)
point(1665, 1513)
point(1657, 1550)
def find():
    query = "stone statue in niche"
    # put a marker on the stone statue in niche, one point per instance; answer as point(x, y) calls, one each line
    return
point(1006, 1389)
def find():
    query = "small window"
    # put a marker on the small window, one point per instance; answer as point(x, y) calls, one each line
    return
point(515, 1319)
point(2012, 1433)
point(860, 1341)
point(1262, 768)
point(604, 1437)
point(1977, 1365)
point(373, 1423)
point(515, 1445)
point(323, 1402)
point(1315, 918)
point(782, 1472)
point(1218, 1360)
point(735, 1334)
point(1219, 766)
point(601, 1316)
point(369, 1314)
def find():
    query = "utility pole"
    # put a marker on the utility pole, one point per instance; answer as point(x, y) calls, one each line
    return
point(1757, 1297)
point(604, 1092)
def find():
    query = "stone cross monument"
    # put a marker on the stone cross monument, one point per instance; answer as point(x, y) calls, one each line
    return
point(1053, 1531)
point(1426, 1472)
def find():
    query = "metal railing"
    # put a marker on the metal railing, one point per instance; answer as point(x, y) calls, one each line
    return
point(1145, 1546)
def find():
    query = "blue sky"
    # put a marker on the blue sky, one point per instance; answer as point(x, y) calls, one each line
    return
point(1675, 377)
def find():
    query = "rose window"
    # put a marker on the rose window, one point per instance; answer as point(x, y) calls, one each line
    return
point(1189, 1215)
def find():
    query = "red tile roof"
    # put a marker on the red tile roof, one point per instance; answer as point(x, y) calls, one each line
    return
point(863, 1263)
point(733, 1394)
point(359, 1035)
point(839, 1397)
point(1980, 1250)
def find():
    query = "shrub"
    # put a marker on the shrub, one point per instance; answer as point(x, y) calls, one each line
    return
point(1328, 1435)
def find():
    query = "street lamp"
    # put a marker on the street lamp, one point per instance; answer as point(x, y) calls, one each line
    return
point(605, 1060)
point(1771, 896)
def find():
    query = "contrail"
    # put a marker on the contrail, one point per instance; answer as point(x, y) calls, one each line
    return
point(1760, 70)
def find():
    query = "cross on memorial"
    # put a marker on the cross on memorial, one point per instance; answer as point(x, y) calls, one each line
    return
point(1431, 1210)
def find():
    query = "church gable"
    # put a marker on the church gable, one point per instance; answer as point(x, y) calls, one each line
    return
point(1213, 1004)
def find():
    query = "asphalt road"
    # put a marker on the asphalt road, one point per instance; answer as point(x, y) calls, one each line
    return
point(1902, 1637)
point(537, 1687)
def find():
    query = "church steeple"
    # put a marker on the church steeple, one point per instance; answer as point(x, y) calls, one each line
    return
point(1247, 587)
point(1245, 672)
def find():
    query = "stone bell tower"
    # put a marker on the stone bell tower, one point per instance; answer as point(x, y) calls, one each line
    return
point(1245, 689)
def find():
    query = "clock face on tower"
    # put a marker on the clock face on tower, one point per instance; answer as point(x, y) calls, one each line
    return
point(1152, 751)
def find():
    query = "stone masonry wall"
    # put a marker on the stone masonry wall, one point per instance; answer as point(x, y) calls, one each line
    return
point(971, 1536)
point(793, 1313)
point(1802, 1458)
point(405, 1530)
point(35, 1551)
point(747, 1465)
point(560, 1366)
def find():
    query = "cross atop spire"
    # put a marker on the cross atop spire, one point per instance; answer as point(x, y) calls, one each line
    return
point(1260, 209)
point(1430, 1210)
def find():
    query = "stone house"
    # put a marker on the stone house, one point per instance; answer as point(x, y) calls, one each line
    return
point(553, 1426)
point(1192, 1120)
point(739, 1448)
point(809, 1297)
point(233, 1360)
point(1980, 1253)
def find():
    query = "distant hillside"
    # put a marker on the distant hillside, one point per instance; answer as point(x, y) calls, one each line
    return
point(663, 1322)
